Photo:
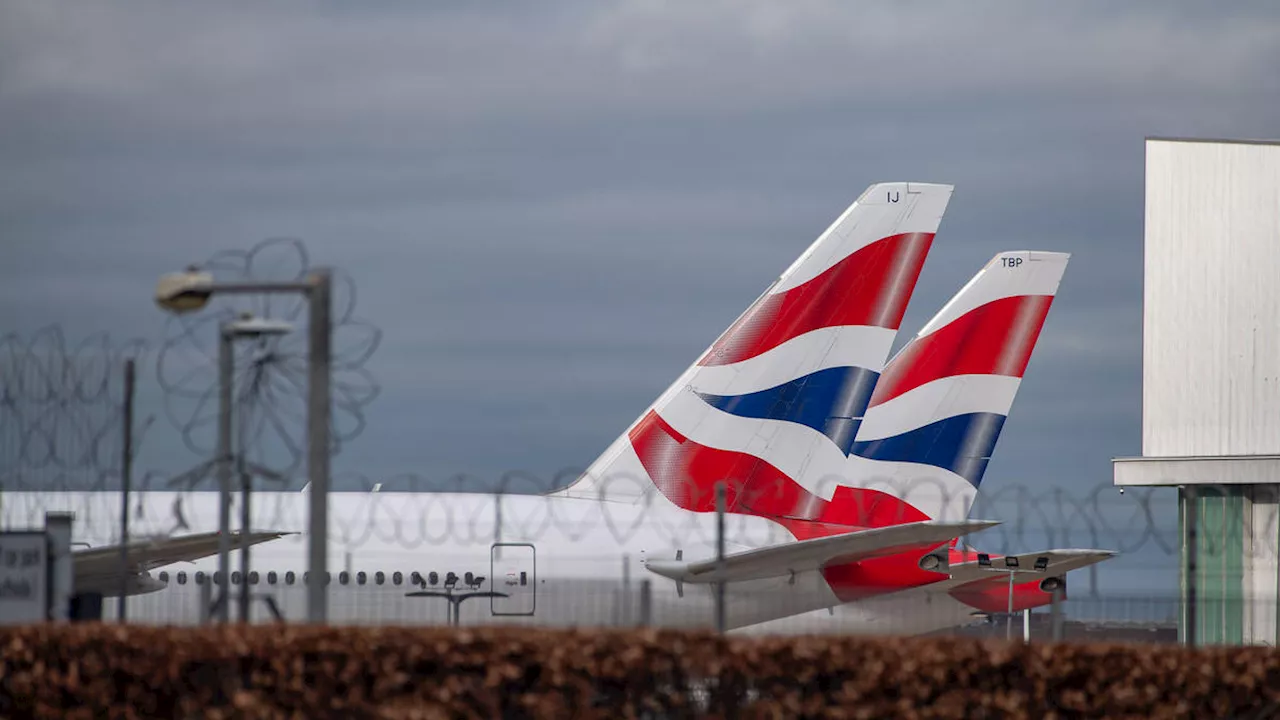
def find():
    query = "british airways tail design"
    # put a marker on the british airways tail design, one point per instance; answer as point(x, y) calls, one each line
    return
point(775, 402)
point(938, 407)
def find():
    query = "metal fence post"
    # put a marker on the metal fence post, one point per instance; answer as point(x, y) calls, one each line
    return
point(1056, 617)
point(1008, 617)
point(57, 526)
point(646, 602)
point(320, 342)
point(206, 602)
point(226, 372)
point(497, 524)
point(720, 509)
point(246, 489)
point(126, 482)
point(246, 516)
point(626, 590)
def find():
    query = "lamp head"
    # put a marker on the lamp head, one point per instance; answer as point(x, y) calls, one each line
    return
point(253, 327)
point(184, 292)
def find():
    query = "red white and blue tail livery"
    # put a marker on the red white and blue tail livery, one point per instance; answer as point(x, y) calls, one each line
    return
point(938, 407)
point(773, 406)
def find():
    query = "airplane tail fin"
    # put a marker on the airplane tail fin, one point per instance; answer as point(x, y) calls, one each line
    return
point(938, 407)
point(789, 380)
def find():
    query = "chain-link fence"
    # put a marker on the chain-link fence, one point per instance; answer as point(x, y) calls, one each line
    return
point(413, 557)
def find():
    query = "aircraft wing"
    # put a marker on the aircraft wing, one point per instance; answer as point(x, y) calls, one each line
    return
point(779, 560)
point(95, 564)
point(1060, 562)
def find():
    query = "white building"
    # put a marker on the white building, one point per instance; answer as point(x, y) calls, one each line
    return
point(1211, 375)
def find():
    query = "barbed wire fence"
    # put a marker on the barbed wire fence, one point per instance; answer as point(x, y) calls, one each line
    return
point(60, 423)
point(61, 411)
point(409, 511)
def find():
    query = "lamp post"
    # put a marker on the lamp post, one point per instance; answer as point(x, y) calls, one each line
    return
point(190, 291)
point(246, 327)
point(1011, 566)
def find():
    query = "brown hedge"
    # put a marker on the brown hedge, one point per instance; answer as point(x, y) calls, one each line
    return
point(96, 671)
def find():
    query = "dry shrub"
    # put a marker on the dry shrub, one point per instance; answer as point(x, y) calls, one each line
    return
point(99, 670)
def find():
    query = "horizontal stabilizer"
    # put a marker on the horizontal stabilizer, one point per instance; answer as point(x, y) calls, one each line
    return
point(1059, 562)
point(780, 560)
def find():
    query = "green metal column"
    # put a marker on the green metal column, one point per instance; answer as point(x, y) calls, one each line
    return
point(1219, 571)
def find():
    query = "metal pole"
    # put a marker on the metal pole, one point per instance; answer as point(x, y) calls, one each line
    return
point(646, 602)
point(1008, 618)
point(720, 508)
point(320, 341)
point(126, 482)
point(223, 459)
point(246, 481)
point(1026, 625)
point(497, 524)
point(206, 603)
point(62, 585)
point(1056, 619)
point(626, 590)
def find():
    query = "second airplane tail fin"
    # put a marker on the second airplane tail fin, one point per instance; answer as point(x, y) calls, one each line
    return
point(938, 407)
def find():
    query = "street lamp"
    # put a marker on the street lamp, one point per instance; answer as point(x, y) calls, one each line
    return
point(1011, 567)
point(190, 291)
point(246, 327)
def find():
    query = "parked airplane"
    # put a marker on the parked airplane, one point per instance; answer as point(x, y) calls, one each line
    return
point(826, 499)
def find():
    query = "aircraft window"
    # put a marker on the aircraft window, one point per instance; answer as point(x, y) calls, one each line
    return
point(379, 577)
point(182, 577)
point(289, 578)
point(200, 577)
point(217, 578)
point(164, 577)
point(253, 577)
point(415, 578)
point(272, 577)
point(397, 578)
point(235, 577)
point(344, 577)
point(306, 577)
point(361, 578)
point(328, 578)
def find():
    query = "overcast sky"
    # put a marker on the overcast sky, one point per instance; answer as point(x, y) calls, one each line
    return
point(550, 209)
